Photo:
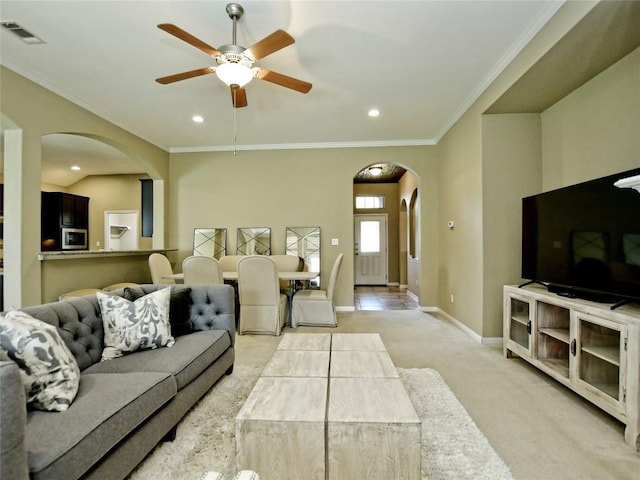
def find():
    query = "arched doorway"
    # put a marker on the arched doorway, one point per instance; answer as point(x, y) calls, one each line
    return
point(393, 192)
point(89, 167)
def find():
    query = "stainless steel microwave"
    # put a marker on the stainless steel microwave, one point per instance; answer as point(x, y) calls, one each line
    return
point(74, 239)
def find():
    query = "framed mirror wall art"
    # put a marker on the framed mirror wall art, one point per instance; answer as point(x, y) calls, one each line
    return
point(210, 242)
point(253, 241)
point(305, 243)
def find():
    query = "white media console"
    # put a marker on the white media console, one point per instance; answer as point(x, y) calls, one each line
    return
point(584, 345)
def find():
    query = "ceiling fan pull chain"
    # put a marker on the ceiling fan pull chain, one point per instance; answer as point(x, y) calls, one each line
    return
point(235, 128)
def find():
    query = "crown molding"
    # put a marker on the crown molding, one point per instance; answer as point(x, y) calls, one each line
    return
point(304, 146)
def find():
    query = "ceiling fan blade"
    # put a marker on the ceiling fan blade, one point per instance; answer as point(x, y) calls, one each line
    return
point(184, 75)
point(238, 97)
point(269, 44)
point(284, 81)
point(190, 39)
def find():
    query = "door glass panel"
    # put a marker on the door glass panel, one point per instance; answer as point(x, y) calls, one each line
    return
point(600, 357)
point(370, 236)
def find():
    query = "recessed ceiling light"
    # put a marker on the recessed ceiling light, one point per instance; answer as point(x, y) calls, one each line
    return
point(75, 168)
point(197, 118)
point(374, 112)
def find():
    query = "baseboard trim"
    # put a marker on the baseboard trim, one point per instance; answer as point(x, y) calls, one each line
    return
point(345, 308)
point(489, 341)
point(393, 284)
point(412, 295)
point(428, 309)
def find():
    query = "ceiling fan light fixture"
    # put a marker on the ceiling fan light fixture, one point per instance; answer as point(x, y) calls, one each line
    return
point(375, 170)
point(233, 73)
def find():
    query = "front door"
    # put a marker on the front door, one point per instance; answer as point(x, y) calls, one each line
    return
point(370, 249)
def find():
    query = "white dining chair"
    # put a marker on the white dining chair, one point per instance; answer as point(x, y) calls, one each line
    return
point(201, 270)
point(229, 263)
point(315, 307)
point(263, 308)
point(160, 269)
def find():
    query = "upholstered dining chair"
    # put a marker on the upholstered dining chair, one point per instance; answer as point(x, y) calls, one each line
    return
point(287, 263)
point(263, 308)
point(199, 269)
point(315, 307)
point(160, 268)
point(229, 263)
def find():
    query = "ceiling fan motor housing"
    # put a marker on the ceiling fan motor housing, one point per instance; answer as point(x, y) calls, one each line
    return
point(234, 10)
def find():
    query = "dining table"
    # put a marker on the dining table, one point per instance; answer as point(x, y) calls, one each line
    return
point(233, 275)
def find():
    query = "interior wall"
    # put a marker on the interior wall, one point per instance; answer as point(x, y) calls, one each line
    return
point(110, 192)
point(511, 169)
point(595, 131)
point(391, 209)
point(460, 201)
point(53, 114)
point(407, 185)
point(463, 252)
point(281, 188)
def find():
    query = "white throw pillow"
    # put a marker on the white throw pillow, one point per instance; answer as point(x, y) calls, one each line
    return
point(49, 371)
point(131, 326)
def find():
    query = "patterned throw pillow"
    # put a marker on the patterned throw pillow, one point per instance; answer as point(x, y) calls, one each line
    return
point(131, 326)
point(179, 308)
point(49, 371)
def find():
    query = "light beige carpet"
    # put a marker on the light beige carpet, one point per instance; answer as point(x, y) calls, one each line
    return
point(452, 445)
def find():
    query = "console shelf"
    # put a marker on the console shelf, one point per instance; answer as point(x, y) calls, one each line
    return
point(584, 345)
point(608, 354)
point(561, 334)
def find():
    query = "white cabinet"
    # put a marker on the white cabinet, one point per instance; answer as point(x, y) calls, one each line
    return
point(584, 345)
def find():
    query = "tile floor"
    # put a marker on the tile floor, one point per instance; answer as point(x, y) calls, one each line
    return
point(383, 298)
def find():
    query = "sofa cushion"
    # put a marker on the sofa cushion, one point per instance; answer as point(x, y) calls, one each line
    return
point(49, 371)
point(107, 408)
point(130, 326)
point(186, 359)
point(179, 308)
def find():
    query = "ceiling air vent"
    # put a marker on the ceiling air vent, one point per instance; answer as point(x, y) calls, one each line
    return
point(25, 35)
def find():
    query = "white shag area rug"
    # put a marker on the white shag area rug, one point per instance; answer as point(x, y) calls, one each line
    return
point(452, 445)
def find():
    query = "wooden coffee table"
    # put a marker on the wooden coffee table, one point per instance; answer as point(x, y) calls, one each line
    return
point(329, 407)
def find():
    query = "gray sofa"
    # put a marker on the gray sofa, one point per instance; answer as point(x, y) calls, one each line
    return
point(124, 406)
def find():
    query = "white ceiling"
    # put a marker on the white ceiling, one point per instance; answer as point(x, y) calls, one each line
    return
point(421, 63)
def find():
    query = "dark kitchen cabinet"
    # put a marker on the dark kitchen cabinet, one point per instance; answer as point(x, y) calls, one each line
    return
point(63, 211)
point(74, 210)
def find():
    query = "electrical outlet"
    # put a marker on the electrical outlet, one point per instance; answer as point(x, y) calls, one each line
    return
point(335, 241)
point(98, 244)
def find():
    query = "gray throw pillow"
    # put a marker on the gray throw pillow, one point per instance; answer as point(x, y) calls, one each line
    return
point(130, 326)
point(49, 371)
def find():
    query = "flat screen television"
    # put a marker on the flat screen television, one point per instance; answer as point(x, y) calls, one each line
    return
point(584, 240)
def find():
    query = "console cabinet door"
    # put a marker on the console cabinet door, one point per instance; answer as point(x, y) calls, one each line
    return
point(601, 360)
point(518, 311)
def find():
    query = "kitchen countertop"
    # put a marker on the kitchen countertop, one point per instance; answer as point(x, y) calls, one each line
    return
point(74, 254)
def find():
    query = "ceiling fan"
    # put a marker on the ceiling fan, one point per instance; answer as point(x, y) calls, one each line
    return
point(234, 63)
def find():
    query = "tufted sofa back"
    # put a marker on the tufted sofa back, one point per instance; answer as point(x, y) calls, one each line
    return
point(80, 325)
